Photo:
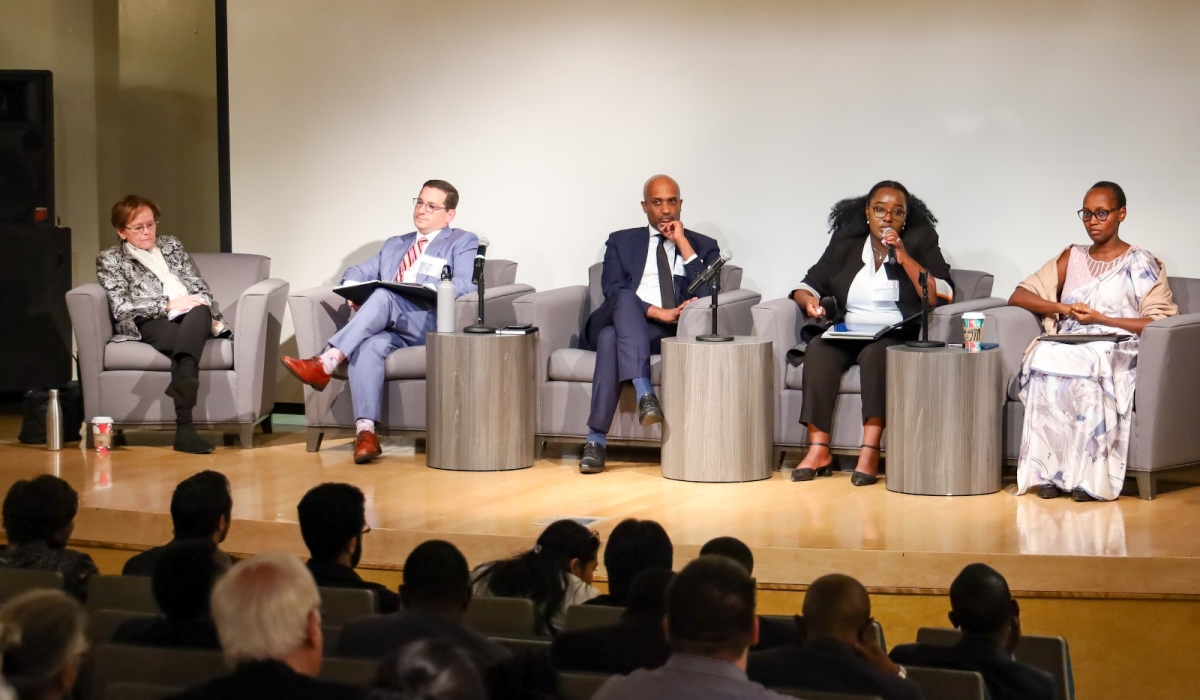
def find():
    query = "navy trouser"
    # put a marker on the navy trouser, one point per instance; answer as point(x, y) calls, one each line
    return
point(624, 339)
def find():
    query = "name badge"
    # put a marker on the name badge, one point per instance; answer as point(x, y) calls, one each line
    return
point(426, 265)
point(885, 290)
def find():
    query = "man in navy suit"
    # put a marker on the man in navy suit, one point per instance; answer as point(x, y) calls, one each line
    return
point(645, 277)
point(388, 321)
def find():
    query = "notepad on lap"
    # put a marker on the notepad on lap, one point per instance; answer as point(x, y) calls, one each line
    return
point(359, 292)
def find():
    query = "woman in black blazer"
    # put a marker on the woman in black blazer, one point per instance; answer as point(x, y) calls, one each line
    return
point(870, 291)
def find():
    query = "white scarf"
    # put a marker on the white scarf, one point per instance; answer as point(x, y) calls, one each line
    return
point(154, 261)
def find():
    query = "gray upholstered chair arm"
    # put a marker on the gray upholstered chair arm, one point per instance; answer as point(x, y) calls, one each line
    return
point(256, 346)
point(733, 317)
point(779, 320)
point(92, 322)
point(1166, 398)
point(1014, 328)
point(317, 314)
point(497, 302)
point(559, 315)
point(945, 322)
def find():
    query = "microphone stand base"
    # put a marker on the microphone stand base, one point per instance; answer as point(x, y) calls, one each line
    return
point(925, 344)
point(477, 329)
point(713, 338)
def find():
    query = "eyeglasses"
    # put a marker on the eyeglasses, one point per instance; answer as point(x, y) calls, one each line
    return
point(142, 228)
point(431, 208)
point(880, 212)
point(1100, 214)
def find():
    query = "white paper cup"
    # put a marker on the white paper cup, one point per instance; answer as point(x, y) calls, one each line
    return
point(102, 433)
point(972, 331)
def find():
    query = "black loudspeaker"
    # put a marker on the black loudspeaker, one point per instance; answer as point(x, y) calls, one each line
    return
point(35, 329)
point(26, 148)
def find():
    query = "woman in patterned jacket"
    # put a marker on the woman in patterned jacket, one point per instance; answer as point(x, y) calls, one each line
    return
point(157, 296)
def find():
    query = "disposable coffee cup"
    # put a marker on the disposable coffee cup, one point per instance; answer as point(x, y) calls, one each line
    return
point(102, 433)
point(972, 331)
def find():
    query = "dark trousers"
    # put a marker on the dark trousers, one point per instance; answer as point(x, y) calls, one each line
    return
point(624, 339)
point(824, 363)
point(182, 340)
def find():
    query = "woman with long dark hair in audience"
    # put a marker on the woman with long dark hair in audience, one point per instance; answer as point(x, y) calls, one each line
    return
point(871, 292)
point(555, 574)
point(42, 643)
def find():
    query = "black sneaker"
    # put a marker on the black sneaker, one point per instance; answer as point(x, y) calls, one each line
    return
point(593, 458)
point(649, 410)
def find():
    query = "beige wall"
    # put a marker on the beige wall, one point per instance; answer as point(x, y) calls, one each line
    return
point(135, 111)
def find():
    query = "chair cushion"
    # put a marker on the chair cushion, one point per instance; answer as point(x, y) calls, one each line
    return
point(851, 380)
point(403, 363)
point(1014, 386)
point(575, 365)
point(133, 354)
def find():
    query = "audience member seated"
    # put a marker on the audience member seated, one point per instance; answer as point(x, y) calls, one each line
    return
point(201, 509)
point(333, 521)
point(42, 642)
point(771, 633)
point(39, 516)
point(556, 574)
point(267, 610)
point(711, 625)
point(637, 641)
point(633, 546)
point(183, 580)
point(840, 653)
point(436, 592)
point(430, 670)
point(982, 607)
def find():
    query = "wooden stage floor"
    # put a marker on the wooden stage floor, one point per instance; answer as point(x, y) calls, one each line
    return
point(894, 543)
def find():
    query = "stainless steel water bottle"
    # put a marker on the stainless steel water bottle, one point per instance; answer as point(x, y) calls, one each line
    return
point(54, 429)
point(445, 302)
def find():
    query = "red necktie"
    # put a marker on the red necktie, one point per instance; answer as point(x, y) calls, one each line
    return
point(411, 257)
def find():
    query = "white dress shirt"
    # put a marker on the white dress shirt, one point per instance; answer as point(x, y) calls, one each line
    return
point(410, 275)
point(648, 290)
point(872, 302)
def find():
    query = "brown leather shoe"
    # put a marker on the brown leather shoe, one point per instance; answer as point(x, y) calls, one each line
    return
point(309, 371)
point(366, 447)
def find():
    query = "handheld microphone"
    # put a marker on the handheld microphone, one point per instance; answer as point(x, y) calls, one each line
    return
point(891, 258)
point(711, 271)
point(480, 258)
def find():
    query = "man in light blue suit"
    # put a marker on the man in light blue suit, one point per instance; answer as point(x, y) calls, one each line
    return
point(387, 321)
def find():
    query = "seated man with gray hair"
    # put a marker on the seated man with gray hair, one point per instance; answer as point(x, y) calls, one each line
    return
point(267, 611)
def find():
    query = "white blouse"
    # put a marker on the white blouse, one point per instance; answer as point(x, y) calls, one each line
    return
point(873, 300)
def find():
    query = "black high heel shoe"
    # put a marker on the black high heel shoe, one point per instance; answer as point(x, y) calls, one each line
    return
point(807, 474)
point(862, 478)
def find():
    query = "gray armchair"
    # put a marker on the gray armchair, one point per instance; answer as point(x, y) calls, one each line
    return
point(781, 320)
point(565, 371)
point(1165, 399)
point(237, 377)
point(318, 313)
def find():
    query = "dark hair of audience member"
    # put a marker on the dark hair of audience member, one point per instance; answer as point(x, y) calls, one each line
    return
point(710, 609)
point(980, 602)
point(540, 574)
point(430, 670)
point(633, 547)
point(199, 503)
point(184, 577)
point(42, 640)
point(331, 515)
point(42, 509)
point(836, 606)
point(648, 594)
point(732, 548)
point(436, 577)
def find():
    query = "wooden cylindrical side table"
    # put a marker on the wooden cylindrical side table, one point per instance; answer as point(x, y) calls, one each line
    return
point(481, 401)
point(719, 412)
point(944, 421)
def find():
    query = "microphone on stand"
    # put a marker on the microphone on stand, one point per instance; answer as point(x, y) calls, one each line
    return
point(480, 259)
point(712, 270)
point(891, 258)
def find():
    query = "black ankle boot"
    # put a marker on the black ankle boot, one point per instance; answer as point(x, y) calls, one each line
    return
point(188, 440)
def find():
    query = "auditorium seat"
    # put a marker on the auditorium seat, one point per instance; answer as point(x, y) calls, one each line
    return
point(183, 668)
point(318, 313)
point(341, 605)
point(126, 593)
point(1050, 654)
point(1165, 401)
point(818, 695)
point(580, 686)
point(565, 371)
point(582, 617)
point(138, 691)
point(102, 624)
point(14, 582)
point(355, 671)
point(237, 377)
point(780, 320)
point(942, 684)
point(517, 646)
point(500, 617)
